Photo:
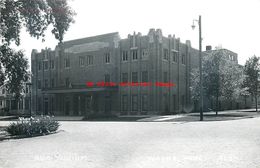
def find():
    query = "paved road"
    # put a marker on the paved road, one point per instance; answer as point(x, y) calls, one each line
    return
point(225, 144)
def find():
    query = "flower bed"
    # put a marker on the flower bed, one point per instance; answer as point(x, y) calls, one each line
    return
point(33, 126)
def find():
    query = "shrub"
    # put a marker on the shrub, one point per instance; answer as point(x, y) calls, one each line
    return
point(33, 126)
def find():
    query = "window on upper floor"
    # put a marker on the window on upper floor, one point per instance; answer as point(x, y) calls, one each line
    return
point(39, 65)
point(174, 56)
point(134, 54)
point(183, 59)
point(145, 54)
point(166, 54)
point(52, 64)
point(90, 60)
point(107, 57)
point(46, 66)
point(81, 61)
point(3, 91)
point(124, 55)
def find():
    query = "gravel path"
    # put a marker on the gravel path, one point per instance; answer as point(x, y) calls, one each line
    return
point(227, 144)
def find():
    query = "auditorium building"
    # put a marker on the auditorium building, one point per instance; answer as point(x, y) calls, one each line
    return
point(68, 80)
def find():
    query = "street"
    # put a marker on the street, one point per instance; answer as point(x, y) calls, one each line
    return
point(214, 144)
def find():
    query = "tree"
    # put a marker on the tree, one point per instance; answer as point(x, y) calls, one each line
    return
point(252, 69)
point(222, 78)
point(36, 16)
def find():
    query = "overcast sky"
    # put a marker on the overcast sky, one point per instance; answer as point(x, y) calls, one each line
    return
point(232, 24)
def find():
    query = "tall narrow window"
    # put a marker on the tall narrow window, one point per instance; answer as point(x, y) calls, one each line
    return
point(124, 103)
point(52, 64)
point(134, 77)
point(124, 56)
point(134, 54)
point(124, 77)
point(174, 56)
point(183, 59)
point(107, 57)
point(144, 102)
point(90, 59)
point(45, 65)
point(46, 84)
point(145, 54)
point(134, 103)
point(166, 54)
point(81, 61)
point(66, 63)
point(39, 65)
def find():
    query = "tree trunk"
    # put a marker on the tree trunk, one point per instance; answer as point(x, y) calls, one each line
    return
point(256, 103)
point(217, 106)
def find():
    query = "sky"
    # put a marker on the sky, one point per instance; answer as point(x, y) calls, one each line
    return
point(231, 24)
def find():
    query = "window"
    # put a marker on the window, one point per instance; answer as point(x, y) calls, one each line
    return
point(165, 54)
point(107, 57)
point(124, 77)
point(144, 53)
point(90, 59)
point(66, 63)
point(145, 76)
point(46, 85)
point(52, 64)
point(39, 66)
point(67, 82)
point(52, 82)
point(134, 77)
point(183, 59)
point(124, 56)
point(174, 56)
point(39, 84)
point(134, 54)
point(3, 91)
point(134, 103)
point(81, 61)
point(107, 78)
point(144, 102)
point(124, 103)
point(45, 65)
point(165, 77)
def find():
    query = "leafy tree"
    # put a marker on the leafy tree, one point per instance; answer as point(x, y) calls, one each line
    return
point(36, 16)
point(252, 70)
point(222, 78)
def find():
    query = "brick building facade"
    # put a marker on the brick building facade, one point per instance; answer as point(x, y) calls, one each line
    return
point(60, 76)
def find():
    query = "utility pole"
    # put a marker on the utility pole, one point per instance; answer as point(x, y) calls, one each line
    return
point(200, 67)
